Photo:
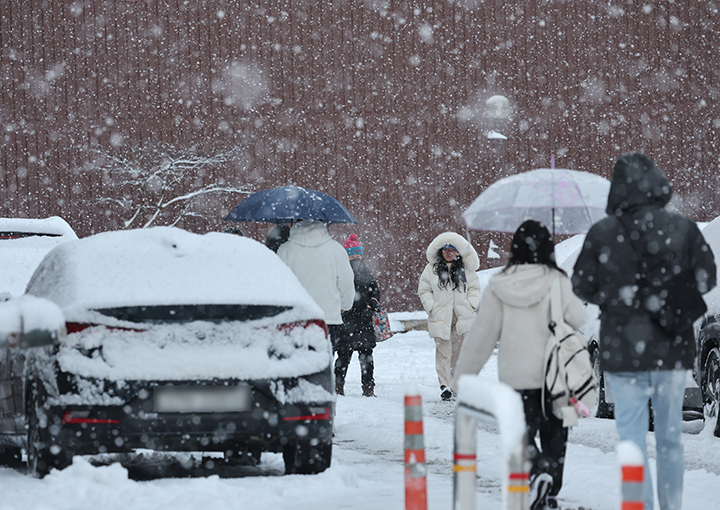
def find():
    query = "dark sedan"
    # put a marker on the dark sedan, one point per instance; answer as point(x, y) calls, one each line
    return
point(175, 342)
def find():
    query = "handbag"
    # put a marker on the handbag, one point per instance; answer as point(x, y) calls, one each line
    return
point(568, 372)
point(381, 324)
point(673, 300)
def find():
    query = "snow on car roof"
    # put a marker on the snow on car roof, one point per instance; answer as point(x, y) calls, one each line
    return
point(19, 257)
point(166, 266)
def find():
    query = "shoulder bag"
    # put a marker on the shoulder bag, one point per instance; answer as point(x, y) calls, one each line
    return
point(569, 377)
point(381, 323)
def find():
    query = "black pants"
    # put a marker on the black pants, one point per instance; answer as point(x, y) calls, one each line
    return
point(549, 457)
point(367, 368)
point(335, 333)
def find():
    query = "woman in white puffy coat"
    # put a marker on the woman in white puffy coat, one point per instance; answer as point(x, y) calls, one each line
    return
point(449, 289)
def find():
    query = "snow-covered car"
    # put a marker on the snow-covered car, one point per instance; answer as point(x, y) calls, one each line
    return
point(566, 254)
point(177, 342)
point(23, 244)
point(707, 359)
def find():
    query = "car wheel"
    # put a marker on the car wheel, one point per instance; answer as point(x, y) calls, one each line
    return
point(42, 454)
point(306, 458)
point(711, 381)
point(604, 410)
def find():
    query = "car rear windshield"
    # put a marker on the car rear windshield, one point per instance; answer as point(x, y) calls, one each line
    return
point(19, 235)
point(187, 313)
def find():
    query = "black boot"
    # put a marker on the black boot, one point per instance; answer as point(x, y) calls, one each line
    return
point(368, 389)
point(367, 367)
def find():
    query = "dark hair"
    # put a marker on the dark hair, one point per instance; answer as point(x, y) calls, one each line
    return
point(456, 273)
point(532, 244)
point(234, 230)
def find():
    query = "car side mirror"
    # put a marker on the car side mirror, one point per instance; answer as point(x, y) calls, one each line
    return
point(30, 321)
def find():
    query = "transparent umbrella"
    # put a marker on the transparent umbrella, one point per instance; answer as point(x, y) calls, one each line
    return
point(566, 201)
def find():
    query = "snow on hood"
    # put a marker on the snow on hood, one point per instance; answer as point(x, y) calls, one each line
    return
point(166, 266)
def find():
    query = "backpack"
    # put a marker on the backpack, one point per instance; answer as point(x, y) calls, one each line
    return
point(569, 377)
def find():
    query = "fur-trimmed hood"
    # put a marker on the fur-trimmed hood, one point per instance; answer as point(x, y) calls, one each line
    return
point(465, 249)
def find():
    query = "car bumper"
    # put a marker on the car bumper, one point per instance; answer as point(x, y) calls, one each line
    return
point(112, 429)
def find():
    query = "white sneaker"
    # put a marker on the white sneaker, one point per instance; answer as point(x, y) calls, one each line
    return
point(540, 487)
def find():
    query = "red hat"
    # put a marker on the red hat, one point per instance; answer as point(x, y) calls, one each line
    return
point(352, 246)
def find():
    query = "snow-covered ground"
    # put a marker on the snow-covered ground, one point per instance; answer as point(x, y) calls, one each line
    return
point(367, 469)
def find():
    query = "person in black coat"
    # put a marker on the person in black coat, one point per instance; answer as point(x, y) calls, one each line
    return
point(639, 357)
point(277, 236)
point(357, 333)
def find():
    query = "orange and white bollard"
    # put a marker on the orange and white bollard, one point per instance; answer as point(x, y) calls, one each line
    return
point(498, 403)
point(632, 465)
point(415, 471)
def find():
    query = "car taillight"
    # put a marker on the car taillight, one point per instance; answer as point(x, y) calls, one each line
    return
point(316, 414)
point(305, 324)
point(77, 417)
point(76, 327)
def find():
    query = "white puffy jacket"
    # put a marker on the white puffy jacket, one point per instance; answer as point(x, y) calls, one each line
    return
point(440, 303)
point(322, 266)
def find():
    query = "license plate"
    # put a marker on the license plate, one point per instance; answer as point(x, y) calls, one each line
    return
point(201, 399)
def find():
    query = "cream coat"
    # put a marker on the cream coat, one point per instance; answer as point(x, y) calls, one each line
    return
point(322, 266)
point(441, 303)
point(514, 313)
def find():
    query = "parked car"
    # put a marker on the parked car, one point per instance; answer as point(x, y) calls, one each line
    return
point(566, 254)
point(23, 244)
point(175, 342)
point(707, 361)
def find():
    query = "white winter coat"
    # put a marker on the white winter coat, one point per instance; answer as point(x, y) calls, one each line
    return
point(514, 313)
point(322, 266)
point(440, 303)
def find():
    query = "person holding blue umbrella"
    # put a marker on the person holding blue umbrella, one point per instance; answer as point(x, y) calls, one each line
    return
point(322, 266)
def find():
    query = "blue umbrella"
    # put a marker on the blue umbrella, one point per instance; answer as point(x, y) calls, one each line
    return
point(289, 204)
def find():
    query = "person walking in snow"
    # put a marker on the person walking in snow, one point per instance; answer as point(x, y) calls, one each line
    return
point(449, 290)
point(322, 266)
point(640, 359)
point(514, 314)
point(357, 332)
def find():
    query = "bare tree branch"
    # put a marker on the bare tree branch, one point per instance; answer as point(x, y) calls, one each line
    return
point(152, 182)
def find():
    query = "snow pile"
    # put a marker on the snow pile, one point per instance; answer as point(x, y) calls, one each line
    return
point(29, 313)
point(196, 350)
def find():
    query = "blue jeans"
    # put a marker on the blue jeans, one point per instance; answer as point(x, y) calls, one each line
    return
point(666, 388)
